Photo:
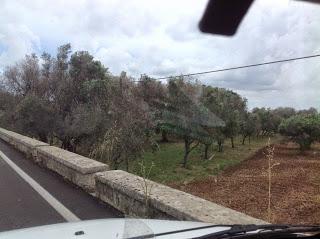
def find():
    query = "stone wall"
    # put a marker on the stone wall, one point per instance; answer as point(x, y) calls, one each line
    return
point(123, 190)
point(74, 167)
point(22, 143)
point(126, 192)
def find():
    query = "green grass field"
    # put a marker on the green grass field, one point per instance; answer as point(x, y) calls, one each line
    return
point(167, 161)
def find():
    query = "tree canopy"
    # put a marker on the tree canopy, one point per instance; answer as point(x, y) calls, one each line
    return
point(72, 100)
point(302, 129)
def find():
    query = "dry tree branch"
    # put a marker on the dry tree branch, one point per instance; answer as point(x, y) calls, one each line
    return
point(270, 157)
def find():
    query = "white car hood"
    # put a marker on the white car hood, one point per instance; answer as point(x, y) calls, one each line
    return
point(112, 228)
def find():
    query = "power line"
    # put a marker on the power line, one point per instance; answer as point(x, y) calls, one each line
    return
point(241, 67)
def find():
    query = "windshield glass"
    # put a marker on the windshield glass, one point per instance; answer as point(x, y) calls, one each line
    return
point(115, 109)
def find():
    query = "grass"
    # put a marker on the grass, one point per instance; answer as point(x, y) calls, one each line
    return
point(167, 161)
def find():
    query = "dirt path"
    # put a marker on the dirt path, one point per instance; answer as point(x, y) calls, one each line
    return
point(295, 186)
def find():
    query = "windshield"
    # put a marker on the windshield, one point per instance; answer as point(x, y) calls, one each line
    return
point(116, 109)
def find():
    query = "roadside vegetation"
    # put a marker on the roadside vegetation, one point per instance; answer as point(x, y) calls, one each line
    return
point(302, 129)
point(187, 129)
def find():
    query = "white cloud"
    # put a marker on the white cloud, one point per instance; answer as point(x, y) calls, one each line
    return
point(161, 38)
point(16, 41)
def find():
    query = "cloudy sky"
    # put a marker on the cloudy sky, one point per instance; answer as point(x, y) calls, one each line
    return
point(160, 38)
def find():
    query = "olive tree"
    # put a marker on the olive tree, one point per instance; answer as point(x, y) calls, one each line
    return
point(8, 102)
point(130, 127)
point(249, 126)
point(269, 120)
point(154, 94)
point(35, 117)
point(228, 106)
point(184, 116)
point(302, 129)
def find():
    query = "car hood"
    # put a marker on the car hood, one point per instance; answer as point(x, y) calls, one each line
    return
point(112, 228)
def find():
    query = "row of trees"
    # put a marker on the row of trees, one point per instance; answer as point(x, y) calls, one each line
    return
point(73, 101)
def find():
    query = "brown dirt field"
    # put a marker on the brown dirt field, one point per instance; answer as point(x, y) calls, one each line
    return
point(295, 186)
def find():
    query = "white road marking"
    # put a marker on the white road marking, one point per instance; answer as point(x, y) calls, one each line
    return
point(58, 206)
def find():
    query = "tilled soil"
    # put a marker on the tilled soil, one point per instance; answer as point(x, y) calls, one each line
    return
point(295, 190)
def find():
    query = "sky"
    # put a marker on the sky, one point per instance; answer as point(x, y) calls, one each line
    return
point(161, 38)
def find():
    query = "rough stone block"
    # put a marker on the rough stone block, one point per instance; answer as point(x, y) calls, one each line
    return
point(124, 191)
point(76, 168)
point(22, 143)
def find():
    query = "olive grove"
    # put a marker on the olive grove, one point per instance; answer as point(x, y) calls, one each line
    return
point(73, 101)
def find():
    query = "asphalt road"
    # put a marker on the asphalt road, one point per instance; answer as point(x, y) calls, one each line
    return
point(22, 205)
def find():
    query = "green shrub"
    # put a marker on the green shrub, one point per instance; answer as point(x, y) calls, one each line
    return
point(302, 129)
